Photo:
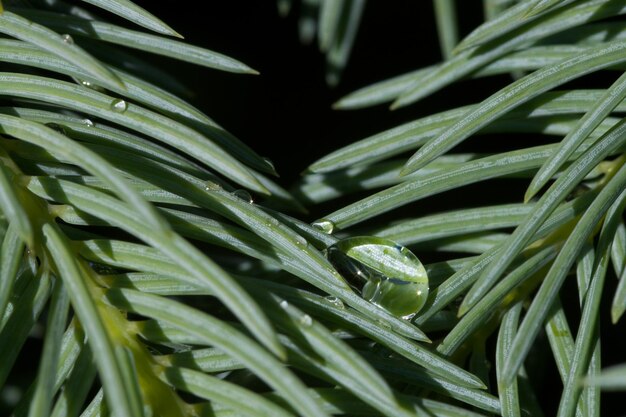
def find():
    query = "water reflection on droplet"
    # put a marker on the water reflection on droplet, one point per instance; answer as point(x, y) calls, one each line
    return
point(212, 186)
point(324, 225)
point(90, 85)
point(88, 123)
point(269, 163)
point(306, 320)
point(67, 39)
point(335, 301)
point(244, 195)
point(119, 106)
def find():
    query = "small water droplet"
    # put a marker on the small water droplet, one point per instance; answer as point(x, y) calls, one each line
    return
point(67, 39)
point(284, 304)
point(306, 320)
point(119, 106)
point(89, 84)
point(324, 225)
point(244, 195)
point(57, 128)
point(212, 186)
point(335, 301)
point(269, 163)
point(300, 241)
point(88, 123)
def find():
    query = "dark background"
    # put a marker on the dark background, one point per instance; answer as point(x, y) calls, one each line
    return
point(285, 112)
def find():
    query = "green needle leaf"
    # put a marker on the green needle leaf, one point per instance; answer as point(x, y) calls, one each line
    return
point(328, 24)
point(23, 29)
point(478, 315)
point(445, 15)
point(41, 403)
point(82, 297)
point(481, 169)
point(515, 94)
point(11, 256)
point(473, 59)
point(509, 397)
point(77, 385)
point(339, 51)
point(414, 134)
point(217, 333)
point(233, 396)
point(200, 269)
point(24, 313)
point(137, 40)
point(134, 88)
point(619, 299)
point(541, 6)
point(132, 116)
point(587, 335)
point(604, 106)
point(130, 11)
point(612, 378)
point(542, 302)
point(452, 223)
point(548, 202)
point(13, 207)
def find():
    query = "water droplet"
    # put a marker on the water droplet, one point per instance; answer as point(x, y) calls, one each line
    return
point(67, 39)
point(88, 123)
point(387, 274)
point(269, 163)
point(244, 195)
point(57, 128)
point(284, 304)
point(306, 320)
point(324, 225)
point(118, 105)
point(89, 84)
point(300, 241)
point(335, 301)
point(212, 186)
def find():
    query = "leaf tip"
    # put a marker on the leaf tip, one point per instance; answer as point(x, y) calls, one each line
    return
point(463, 308)
point(407, 169)
point(529, 194)
point(616, 314)
point(396, 104)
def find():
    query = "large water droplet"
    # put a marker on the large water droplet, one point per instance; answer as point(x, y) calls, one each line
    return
point(387, 274)
point(119, 106)
point(57, 128)
point(306, 320)
point(244, 195)
point(212, 186)
point(284, 304)
point(335, 301)
point(67, 39)
point(324, 225)
point(88, 123)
